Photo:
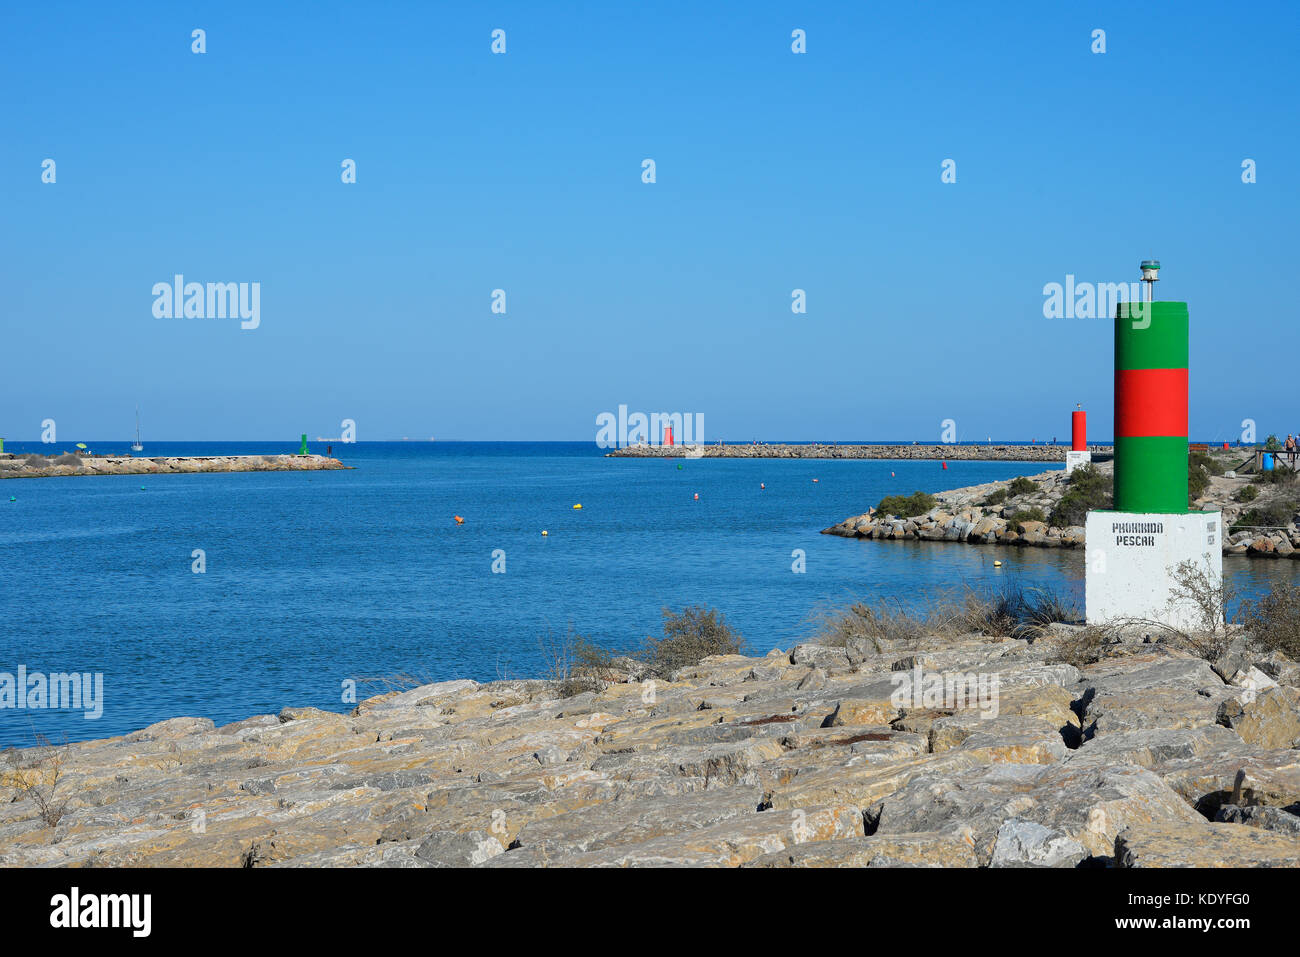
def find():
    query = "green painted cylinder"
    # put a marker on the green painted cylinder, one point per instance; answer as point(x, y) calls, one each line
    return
point(1151, 349)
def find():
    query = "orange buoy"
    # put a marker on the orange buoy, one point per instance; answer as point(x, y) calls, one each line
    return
point(944, 464)
point(459, 520)
point(762, 485)
point(697, 496)
point(814, 480)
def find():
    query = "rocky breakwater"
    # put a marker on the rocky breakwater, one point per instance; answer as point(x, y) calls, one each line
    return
point(1027, 511)
point(808, 757)
point(988, 514)
point(1009, 453)
point(36, 466)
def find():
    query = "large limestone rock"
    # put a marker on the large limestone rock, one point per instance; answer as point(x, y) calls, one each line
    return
point(1202, 844)
point(1080, 808)
point(732, 842)
point(1268, 720)
point(887, 850)
point(1268, 818)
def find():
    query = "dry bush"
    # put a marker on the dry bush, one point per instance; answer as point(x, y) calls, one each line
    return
point(1209, 636)
point(689, 637)
point(1273, 620)
point(881, 625)
point(573, 665)
point(37, 774)
point(398, 681)
point(1009, 612)
point(1210, 595)
point(1081, 647)
point(1015, 611)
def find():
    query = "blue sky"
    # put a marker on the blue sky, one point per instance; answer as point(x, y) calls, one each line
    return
point(522, 171)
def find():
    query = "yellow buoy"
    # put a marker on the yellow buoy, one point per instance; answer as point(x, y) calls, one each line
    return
point(579, 505)
point(543, 533)
point(997, 564)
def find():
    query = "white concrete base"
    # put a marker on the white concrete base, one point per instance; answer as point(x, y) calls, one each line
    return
point(1074, 459)
point(1131, 558)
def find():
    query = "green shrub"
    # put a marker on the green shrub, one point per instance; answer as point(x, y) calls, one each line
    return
point(1204, 461)
point(1278, 512)
point(1276, 476)
point(1089, 488)
point(1021, 486)
point(1247, 494)
point(996, 497)
point(1198, 478)
point(906, 506)
point(1024, 515)
point(689, 637)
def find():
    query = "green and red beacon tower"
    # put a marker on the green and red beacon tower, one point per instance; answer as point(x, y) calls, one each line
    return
point(1135, 549)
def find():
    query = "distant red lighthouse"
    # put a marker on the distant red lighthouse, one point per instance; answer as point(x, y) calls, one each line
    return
point(668, 434)
point(1079, 430)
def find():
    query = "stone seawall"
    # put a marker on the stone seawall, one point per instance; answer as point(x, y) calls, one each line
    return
point(1006, 453)
point(20, 466)
point(810, 757)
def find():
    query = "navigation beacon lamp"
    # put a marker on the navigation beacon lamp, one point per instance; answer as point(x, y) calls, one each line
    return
point(1134, 550)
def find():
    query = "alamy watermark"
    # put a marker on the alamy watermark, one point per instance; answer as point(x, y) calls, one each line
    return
point(1087, 300)
point(947, 691)
point(57, 691)
point(638, 428)
point(179, 299)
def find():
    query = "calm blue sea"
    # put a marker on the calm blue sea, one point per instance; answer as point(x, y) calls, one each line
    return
point(313, 578)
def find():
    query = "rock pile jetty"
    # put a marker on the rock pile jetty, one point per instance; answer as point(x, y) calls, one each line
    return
point(1147, 757)
point(978, 515)
point(952, 453)
point(35, 466)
